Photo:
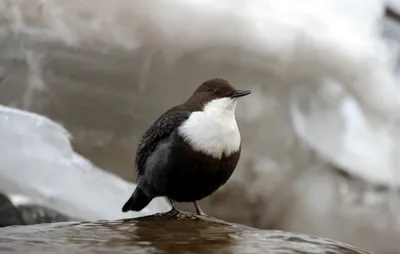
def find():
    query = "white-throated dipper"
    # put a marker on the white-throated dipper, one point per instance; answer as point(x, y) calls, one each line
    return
point(191, 150)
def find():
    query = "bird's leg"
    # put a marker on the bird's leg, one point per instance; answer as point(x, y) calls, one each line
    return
point(198, 209)
point(174, 209)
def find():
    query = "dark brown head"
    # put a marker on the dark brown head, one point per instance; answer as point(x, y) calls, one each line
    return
point(215, 89)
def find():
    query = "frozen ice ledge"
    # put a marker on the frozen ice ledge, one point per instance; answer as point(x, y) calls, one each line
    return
point(39, 166)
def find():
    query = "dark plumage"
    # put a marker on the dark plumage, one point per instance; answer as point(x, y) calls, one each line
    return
point(191, 150)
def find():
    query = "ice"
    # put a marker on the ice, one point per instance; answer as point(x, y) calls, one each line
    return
point(333, 122)
point(316, 39)
point(329, 39)
point(340, 131)
point(39, 166)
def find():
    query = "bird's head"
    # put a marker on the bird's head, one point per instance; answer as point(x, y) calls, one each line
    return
point(217, 95)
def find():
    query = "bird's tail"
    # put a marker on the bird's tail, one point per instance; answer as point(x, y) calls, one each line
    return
point(137, 201)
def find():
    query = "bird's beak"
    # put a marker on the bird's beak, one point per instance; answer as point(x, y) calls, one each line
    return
point(240, 93)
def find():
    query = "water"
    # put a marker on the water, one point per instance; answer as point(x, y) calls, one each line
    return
point(161, 234)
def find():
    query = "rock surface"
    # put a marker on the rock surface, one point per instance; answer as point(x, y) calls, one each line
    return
point(161, 233)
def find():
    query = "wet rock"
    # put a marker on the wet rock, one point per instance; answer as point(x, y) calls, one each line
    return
point(27, 214)
point(162, 233)
point(9, 215)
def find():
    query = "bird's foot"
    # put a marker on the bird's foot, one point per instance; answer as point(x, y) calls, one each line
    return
point(176, 211)
point(201, 213)
point(179, 213)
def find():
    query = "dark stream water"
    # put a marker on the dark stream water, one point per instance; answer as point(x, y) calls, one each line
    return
point(160, 234)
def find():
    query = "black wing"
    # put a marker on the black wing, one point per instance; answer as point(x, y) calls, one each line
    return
point(160, 130)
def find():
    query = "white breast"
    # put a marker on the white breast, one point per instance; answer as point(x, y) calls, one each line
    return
point(214, 130)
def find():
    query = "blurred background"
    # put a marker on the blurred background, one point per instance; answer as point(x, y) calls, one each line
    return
point(80, 81)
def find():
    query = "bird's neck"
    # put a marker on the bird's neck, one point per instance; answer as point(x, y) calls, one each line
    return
point(223, 109)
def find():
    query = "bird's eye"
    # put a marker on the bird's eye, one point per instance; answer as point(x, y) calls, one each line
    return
point(215, 90)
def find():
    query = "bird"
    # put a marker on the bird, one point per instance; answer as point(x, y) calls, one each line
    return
point(191, 150)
